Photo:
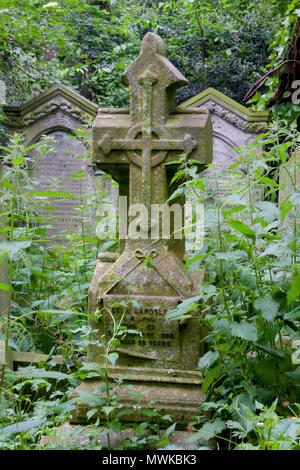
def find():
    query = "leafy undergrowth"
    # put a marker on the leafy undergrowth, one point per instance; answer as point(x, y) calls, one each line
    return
point(249, 302)
point(35, 409)
point(248, 305)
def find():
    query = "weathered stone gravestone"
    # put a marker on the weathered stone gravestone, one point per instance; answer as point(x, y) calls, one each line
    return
point(234, 126)
point(58, 113)
point(149, 278)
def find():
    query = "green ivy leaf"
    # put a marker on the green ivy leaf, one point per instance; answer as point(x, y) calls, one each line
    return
point(182, 310)
point(268, 307)
point(244, 330)
point(112, 358)
point(90, 398)
point(295, 375)
point(285, 207)
point(116, 425)
point(91, 413)
point(231, 255)
point(265, 371)
point(208, 360)
point(23, 426)
point(209, 430)
point(241, 227)
point(12, 248)
point(269, 181)
point(212, 375)
point(4, 286)
point(18, 161)
point(107, 409)
point(276, 354)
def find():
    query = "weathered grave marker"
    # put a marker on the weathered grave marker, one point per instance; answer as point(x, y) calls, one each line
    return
point(58, 113)
point(234, 126)
point(137, 148)
point(65, 170)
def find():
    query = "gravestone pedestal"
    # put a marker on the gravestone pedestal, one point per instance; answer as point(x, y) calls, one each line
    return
point(157, 359)
point(176, 399)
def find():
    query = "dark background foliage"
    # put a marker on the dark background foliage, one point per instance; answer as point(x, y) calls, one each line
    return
point(87, 44)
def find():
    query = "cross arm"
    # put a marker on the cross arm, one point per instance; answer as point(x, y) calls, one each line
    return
point(107, 144)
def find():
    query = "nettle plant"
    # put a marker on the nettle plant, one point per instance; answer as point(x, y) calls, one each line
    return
point(47, 284)
point(250, 298)
point(47, 288)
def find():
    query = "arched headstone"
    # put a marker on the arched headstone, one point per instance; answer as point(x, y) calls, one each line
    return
point(234, 126)
point(64, 170)
point(58, 113)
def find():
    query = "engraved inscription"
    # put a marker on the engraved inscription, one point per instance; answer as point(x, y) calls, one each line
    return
point(55, 172)
point(156, 337)
point(145, 320)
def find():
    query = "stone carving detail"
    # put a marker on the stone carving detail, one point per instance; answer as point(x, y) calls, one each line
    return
point(52, 107)
point(233, 119)
point(217, 123)
point(57, 119)
point(140, 149)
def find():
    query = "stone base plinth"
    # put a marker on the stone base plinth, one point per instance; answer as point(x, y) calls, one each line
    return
point(179, 398)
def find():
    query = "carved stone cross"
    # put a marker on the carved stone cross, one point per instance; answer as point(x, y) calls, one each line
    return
point(155, 131)
point(139, 148)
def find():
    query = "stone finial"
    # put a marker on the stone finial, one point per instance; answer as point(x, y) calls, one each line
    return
point(153, 70)
point(153, 42)
point(2, 92)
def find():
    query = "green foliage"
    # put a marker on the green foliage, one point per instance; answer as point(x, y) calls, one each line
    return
point(279, 48)
point(88, 45)
point(47, 283)
point(249, 302)
point(251, 258)
point(255, 427)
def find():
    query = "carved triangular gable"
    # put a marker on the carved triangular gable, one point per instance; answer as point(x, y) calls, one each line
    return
point(56, 108)
point(230, 110)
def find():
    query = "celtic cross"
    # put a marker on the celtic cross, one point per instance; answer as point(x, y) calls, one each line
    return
point(154, 131)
